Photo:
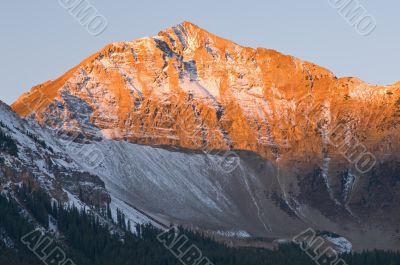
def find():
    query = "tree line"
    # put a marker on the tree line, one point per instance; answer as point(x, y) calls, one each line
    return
point(89, 240)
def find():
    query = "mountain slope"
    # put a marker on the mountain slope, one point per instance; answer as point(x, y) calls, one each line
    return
point(186, 86)
point(43, 159)
point(315, 150)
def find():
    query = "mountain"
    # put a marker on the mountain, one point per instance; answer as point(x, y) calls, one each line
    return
point(245, 142)
point(41, 158)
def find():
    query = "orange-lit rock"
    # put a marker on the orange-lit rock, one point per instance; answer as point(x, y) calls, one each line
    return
point(189, 88)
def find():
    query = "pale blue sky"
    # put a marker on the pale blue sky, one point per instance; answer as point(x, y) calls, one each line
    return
point(40, 40)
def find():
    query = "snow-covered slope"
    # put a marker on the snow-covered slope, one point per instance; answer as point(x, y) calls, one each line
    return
point(44, 158)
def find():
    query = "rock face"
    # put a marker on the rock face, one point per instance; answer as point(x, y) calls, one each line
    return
point(41, 160)
point(187, 87)
point(333, 142)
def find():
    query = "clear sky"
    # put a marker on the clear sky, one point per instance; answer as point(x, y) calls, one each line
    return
point(40, 39)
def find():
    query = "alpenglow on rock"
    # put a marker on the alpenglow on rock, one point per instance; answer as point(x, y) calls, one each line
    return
point(333, 143)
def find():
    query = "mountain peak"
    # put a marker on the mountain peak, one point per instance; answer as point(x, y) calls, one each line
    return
point(188, 24)
point(188, 28)
point(190, 36)
point(188, 89)
point(227, 86)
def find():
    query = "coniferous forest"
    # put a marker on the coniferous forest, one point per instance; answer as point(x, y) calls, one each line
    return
point(7, 144)
point(88, 241)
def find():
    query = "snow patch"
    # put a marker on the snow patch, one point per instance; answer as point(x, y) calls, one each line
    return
point(342, 245)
